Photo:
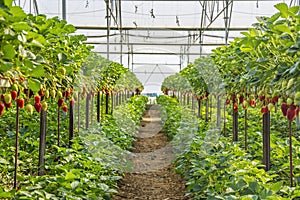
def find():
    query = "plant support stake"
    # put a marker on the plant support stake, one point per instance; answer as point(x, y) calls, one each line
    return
point(291, 154)
point(58, 126)
point(87, 111)
point(17, 147)
point(98, 106)
point(266, 140)
point(71, 124)
point(235, 127)
point(42, 148)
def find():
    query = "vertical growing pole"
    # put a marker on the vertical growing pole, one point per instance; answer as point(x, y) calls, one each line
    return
point(291, 154)
point(266, 140)
point(107, 103)
point(199, 107)
point(98, 106)
point(92, 106)
point(112, 102)
point(71, 123)
point(224, 120)
point(58, 126)
point(193, 106)
point(246, 128)
point(235, 123)
point(42, 148)
point(17, 147)
point(207, 109)
point(78, 112)
point(87, 111)
point(218, 112)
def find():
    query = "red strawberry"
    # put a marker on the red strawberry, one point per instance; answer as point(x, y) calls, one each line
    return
point(207, 93)
point(261, 97)
point(252, 102)
point(38, 107)
point(41, 92)
point(275, 99)
point(8, 105)
point(14, 95)
point(235, 107)
point(264, 110)
point(241, 99)
point(2, 106)
point(60, 102)
point(72, 102)
point(291, 113)
point(37, 99)
point(20, 103)
point(284, 108)
point(68, 93)
point(227, 102)
point(65, 108)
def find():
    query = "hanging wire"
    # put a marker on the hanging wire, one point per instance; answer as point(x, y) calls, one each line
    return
point(177, 21)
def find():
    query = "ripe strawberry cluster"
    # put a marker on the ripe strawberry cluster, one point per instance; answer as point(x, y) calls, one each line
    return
point(289, 106)
point(20, 95)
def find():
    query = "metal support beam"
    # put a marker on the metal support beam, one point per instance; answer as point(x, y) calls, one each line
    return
point(157, 44)
point(155, 28)
point(64, 10)
point(153, 53)
point(35, 7)
point(107, 27)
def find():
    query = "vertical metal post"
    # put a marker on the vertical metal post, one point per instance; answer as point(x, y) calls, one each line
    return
point(107, 103)
point(17, 147)
point(207, 109)
point(42, 147)
point(64, 10)
point(58, 126)
point(199, 107)
point(98, 106)
point(71, 123)
point(112, 102)
point(224, 109)
point(235, 124)
point(291, 153)
point(121, 33)
point(87, 111)
point(107, 27)
point(78, 113)
point(218, 111)
point(246, 128)
point(266, 140)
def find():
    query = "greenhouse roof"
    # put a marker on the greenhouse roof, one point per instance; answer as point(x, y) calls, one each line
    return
point(156, 38)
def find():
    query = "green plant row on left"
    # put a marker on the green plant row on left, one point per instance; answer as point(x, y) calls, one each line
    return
point(71, 173)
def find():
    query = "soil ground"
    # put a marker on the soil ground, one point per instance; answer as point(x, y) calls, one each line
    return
point(153, 176)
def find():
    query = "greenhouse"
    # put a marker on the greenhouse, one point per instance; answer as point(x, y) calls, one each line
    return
point(159, 100)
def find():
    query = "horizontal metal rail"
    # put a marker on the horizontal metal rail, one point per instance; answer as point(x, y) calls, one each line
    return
point(153, 53)
point(157, 28)
point(156, 44)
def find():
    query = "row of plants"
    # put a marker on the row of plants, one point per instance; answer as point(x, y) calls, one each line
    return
point(260, 70)
point(84, 171)
point(217, 168)
point(46, 68)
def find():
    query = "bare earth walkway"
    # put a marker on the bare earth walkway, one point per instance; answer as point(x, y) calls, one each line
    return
point(153, 177)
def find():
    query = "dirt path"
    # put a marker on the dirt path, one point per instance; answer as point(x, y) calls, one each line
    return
point(153, 177)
